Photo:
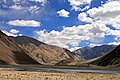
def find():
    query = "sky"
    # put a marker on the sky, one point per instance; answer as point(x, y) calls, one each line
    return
point(70, 24)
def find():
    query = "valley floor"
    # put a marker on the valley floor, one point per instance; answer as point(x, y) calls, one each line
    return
point(28, 75)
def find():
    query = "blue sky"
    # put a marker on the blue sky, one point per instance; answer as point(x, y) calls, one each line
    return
point(66, 23)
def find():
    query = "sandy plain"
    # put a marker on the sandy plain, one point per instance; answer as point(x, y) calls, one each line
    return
point(28, 75)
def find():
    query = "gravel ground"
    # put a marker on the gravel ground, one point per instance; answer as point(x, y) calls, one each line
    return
point(26, 75)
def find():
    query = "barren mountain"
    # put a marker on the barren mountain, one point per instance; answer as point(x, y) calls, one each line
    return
point(94, 52)
point(12, 53)
point(46, 54)
point(112, 58)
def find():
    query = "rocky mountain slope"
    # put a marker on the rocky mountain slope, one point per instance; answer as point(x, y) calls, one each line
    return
point(110, 59)
point(97, 51)
point(12, 53)
point(46, 54)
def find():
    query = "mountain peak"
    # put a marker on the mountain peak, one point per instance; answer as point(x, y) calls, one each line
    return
point(25, 40)
point(94, 52)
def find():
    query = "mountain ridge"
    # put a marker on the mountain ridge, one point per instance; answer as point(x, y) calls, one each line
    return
point(112, 58)
point(94, 52)
point(12, 53)
point(44, 53)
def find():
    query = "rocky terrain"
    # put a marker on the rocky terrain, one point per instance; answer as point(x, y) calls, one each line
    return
point(26, 50)
point(12, 53)
point(112, 59)
point(94, 52)
point(45, 54)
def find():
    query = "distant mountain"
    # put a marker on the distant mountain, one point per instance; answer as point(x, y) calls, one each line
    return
point(112, 58)
point(97, 51)
point(46, 54)
point(12, 53)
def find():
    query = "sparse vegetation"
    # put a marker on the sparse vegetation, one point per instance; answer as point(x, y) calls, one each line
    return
point(19, 75)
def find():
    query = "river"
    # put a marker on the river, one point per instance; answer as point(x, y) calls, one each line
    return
point(55, 69)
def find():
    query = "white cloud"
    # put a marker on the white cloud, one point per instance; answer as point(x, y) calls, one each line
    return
point(20, 4)
point(41, 1)
point(83, 17)
point(114, 43)
point(63, 13)
point(12, 32)
point(111, 43)
point(16, 7)
point(20, 34)
point(25, 23)
point(67, 36)
point(93, 45)
point(34, 9)
point(115, 33)
point(77, 3)
point(75, 48)
point(108, 14)
point(73, 36)
point(117, 38)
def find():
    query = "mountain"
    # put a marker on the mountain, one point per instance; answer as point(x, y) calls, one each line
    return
point(46, 54)
point(112, 58)
point(97, 51)
point(12, 53)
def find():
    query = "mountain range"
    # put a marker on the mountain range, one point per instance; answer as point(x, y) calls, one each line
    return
point(44, 53)
point(26, 50)
point(94, 52)
point(112, 58)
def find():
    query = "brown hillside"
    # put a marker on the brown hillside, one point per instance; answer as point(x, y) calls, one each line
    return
point(44, 53)
point(12, 53)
